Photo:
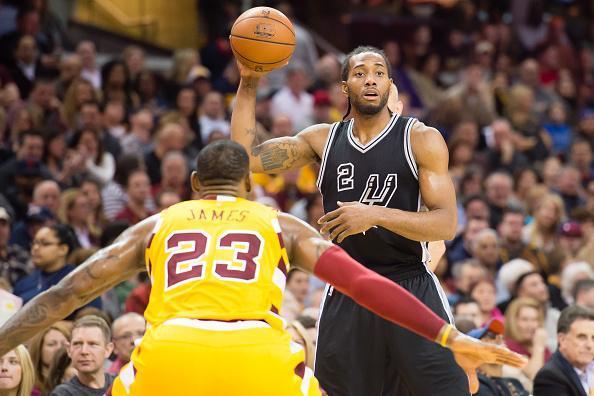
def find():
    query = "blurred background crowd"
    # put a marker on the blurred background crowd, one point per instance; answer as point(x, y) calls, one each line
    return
point(94, 139)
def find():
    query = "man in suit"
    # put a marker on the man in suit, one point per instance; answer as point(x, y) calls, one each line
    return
point(569, 372)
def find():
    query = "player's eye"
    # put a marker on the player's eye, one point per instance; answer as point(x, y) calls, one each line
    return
point(380, 73)
point(359, 74)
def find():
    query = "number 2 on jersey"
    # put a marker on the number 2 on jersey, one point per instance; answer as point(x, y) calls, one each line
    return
point(187, 249)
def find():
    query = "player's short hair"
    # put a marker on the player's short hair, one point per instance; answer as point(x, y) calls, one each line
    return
point(346, 63)
point(222, 162)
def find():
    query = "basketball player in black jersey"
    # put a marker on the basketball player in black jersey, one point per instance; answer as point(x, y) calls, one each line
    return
point(376, 171)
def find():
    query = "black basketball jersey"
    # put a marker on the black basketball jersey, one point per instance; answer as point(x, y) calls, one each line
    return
point(381, 172)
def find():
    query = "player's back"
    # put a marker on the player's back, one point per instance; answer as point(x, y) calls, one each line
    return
point(219, 259)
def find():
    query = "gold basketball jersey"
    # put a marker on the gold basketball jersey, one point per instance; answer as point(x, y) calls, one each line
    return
point(220, 259)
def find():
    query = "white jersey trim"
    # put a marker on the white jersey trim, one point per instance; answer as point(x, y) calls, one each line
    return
point(325, 155)
point(216, 325)
point(408, 153)
point(327, 291)
point(363, 148)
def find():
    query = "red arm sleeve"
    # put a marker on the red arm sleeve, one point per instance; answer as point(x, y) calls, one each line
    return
point(377, 293)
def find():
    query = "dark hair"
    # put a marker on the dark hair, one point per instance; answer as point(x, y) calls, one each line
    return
point(473, 197)
point(91, 102)
point(57, 369)
point(570, 315)
point(222, 162)
point(511, 209)
point(112, 231)
point(78, 135)
point(463, 300)
point(521, 279)
point(65, 235)
point(29, 132)
point(292, 272)
point(125, 165)
point(582, 285)
point(346, 63)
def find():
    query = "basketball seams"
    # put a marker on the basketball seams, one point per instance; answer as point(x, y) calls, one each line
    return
point(265, 17)
point(261, 40)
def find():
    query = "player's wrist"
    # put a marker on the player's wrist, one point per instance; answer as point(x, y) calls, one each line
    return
point(447, 336)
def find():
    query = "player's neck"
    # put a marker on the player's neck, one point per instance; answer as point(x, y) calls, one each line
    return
point(207, 192)
point(366, 127)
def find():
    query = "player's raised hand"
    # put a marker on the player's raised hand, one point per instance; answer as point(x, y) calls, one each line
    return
point(246, 72)
point(471, 353)
point(350, 218)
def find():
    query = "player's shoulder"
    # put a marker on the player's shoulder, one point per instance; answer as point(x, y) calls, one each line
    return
point(427, 143)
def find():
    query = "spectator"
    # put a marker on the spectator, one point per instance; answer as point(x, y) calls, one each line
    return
point(525, 179)
point(70, 70)
point(582, 159)
point(571, 239)
point(87, 52)
point(134, 59)
point(113, 118)
point(571, 274)
point(97, 162)
point(79, 92)
point(138, 190)
point(583, 294)
point(298, 285)
point(293, 100)
point(461, 246)
point(61, 166)
point(166, 198)
point(91, 118)
point(465, 274)
point(508, 276)
point(19, 175)
point(212, 116)
point(567, 371)
point(126, 330)
point(75, 211)
point(26, 67)
point(43, 104)
point(532, 285)
point(170, 137)
point(542, 232)
point(43, 348)
point(61, 370)
point(474, 207)
point(16, 373)
point(91, 189)
point(138, 139)
point(116, 84)
point(569, 188)
point(485, 250)
point(511, 245)
point(14, 261)
point(49, 253)
point(525, 334)
point(90, 346)
point(466, 308)
point(174, 175)
point(498, 189)
point(484, 293)
point(558, 128)
point(47, 194)
point(24, 231)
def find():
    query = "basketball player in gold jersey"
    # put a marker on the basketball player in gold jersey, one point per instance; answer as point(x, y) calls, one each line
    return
point(218, 267)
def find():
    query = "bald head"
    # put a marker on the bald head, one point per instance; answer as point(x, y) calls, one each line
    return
point(47, 193)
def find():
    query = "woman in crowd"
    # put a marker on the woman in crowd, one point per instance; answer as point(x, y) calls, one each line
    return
point(75, 211)
point(525, 334)
point(548, 214)
point(484, 293)
point(91, 189)
point(16, 373)
point(79, 92)
point(43, 348)
point(98, 163)
point(60, 371)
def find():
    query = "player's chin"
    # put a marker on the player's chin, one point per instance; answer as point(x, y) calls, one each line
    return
point(369, 108)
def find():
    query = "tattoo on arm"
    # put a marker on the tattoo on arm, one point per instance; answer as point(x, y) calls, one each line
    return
point(277, 155)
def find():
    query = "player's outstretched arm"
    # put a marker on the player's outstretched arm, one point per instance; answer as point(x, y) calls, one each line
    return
point(99, 273)
point(308, 250)
point(275, 155)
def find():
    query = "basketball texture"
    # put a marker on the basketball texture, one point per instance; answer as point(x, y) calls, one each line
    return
point(262, 39)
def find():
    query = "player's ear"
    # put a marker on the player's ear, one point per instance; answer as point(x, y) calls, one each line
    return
point(195, 182)
point(345, 88)
point(248, 182)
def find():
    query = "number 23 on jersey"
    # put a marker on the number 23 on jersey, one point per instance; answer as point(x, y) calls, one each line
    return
point(195, 254)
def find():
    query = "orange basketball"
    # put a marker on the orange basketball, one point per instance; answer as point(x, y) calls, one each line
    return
point(262, 39)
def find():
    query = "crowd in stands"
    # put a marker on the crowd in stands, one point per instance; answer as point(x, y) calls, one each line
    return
point(88, 149)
